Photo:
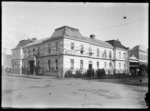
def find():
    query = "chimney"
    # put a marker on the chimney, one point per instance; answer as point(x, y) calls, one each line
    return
point(34, 39)
point(92, 36)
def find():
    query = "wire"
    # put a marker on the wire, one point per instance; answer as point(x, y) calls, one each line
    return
point(119, 25)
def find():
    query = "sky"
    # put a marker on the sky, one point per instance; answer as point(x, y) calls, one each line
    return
point(23, 20)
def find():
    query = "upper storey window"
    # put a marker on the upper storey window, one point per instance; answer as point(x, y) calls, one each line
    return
point(82, 49)
point(98, 52)
point(33, 51)
point(110, 55)
point(72, 46)
point(119, 55)
point(56, 45)
point(90, 51)
point(104, 54)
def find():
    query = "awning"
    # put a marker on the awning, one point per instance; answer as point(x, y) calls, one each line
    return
point(134, 65)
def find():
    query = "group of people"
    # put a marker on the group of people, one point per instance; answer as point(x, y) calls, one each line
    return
point(137, 71)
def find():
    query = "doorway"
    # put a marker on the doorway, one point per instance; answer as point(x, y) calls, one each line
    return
point(31, 66)
point(90, 65)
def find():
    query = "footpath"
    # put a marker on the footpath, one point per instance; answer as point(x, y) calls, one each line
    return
point(29, 76)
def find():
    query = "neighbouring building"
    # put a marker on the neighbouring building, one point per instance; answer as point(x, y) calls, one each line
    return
point(134, 65)
point(121, 60)
point(6, 61)
point(67, 50)
point(141, 53)
point(17, 56)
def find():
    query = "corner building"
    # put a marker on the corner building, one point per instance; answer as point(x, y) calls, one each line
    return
point(67, 50)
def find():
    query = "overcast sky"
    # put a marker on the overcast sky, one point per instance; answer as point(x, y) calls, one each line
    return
point(22, 20)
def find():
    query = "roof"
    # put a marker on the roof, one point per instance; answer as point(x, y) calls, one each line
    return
point(74, 34)
point(141, 48)
point(133, 58)
point(36, 42)
point(22, 43)
point(117, 43)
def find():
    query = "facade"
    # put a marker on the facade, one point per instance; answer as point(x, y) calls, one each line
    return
point(17, 56)
point(134, 65)
point(121, 60)
point(141, 53)
point(6, 61)
point(67, 50)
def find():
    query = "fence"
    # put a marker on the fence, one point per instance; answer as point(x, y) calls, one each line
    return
point(38, 71)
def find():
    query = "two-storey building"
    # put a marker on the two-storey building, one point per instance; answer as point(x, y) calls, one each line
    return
point(121, 60)
point(141, 53)
point(17, 56)
point(67, 50)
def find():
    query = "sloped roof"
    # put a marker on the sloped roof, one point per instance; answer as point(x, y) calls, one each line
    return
point(133, 58)
point(36, 42)
point(74, 34)
point(22, 43)
point(68, 31)
point(117, 43)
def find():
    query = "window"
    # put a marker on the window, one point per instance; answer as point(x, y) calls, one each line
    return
point(49, 50)
point(82, 49)
point(56, 61)
point(119, 65)
point(81, 64)
point(97, 65)
point(124, 55)
point(72, 64)
point(119, 55)
point(33, 51)
point(90, 51)
point(104, 54)
point(56, 45)
point(98, 52)
point(72, 46)
point(110, 55)
point(49, 64)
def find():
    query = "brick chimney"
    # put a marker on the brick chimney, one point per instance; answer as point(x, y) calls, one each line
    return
point(92, 36)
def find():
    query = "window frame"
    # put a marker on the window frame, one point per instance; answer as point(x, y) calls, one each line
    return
point(72, 46)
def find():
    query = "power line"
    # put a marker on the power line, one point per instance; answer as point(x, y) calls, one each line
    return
point(119, 25)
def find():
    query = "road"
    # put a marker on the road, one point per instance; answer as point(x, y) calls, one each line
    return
point(51, 92)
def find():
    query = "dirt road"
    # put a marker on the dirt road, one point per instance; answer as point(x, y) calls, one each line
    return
point(50, 92)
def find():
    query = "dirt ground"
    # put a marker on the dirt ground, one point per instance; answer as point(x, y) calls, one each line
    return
point(51, 92)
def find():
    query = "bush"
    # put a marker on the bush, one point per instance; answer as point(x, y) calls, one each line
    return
point(90, 73)
point(101, 73)
point(68, 74)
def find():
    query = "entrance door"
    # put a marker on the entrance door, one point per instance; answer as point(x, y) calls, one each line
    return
point(31, 66)
point(90, 66)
